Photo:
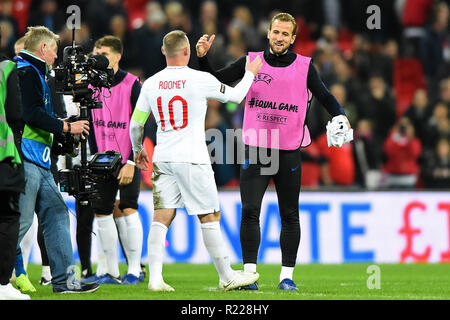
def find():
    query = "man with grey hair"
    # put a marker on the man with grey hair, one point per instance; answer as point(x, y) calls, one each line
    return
point(41, 125)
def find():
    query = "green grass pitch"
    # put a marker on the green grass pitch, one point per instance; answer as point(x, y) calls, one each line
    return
point(315, 282)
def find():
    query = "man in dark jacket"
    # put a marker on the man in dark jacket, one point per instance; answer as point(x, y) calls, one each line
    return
point(41, 193)
point(11, 171)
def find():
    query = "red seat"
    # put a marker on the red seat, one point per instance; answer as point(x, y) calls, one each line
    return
point(136, 12)
point(305, 48)
point(20, 12)
point(408, 77)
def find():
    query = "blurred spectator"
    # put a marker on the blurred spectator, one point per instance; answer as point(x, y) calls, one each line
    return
point(179, 18)
point(21, 11)
point(48, 15)
point(361, 58)
point(367, 154)
point(118, 28)
point(148, 40)
point(431, 44)
point(436, 171)
point(100, 13)
point(174, 14)
point(438, 125)
point(444, 93)
point(209, 23)
point(329, 37)
point(413, 15)
point(6, 14)
point(342, 73)
point(418, 113)
point(402, 150)
point(7, 40)
point(339, 91)
point(243, 21)
point(383, 61)
point(379, 107)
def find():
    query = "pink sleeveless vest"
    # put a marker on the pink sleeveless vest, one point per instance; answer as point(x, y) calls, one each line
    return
point(276, 106)
point(112, 122)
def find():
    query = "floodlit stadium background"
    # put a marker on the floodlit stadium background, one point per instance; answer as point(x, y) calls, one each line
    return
point(385, 61)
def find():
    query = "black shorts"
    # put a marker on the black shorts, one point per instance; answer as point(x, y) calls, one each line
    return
point(129, 194)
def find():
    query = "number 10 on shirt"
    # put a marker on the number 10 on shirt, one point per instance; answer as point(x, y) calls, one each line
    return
point(171, 114)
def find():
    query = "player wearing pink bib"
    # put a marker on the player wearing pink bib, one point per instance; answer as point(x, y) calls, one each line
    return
point(274, 121)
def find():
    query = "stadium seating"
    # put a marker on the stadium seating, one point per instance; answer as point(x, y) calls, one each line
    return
point(408, 77)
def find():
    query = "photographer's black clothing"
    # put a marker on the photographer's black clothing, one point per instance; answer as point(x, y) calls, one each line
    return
point(12, 181)
point(9, 233)
point(236, 70)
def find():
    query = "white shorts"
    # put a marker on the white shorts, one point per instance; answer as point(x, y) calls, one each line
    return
point(185, 185)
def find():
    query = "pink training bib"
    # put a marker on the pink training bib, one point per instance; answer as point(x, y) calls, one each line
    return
point(112, 122)
point(276, 106)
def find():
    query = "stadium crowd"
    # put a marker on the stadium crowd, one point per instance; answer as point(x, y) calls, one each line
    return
point(393, 81)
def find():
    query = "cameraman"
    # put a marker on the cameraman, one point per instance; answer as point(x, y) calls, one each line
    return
point(111, 132)
point(41, 193)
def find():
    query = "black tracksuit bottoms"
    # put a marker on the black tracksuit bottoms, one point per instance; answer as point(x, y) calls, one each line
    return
point(253, 185)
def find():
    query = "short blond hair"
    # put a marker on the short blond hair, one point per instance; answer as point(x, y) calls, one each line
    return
point(283, 16)
point(38, 35)
point(174, 41)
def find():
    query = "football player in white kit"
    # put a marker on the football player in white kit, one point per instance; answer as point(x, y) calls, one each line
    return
point(182, 174)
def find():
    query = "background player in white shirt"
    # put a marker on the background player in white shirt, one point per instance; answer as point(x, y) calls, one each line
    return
point(182, 174)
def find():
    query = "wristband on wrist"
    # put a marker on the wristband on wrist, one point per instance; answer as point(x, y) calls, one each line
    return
point(69, 127)
point(131, 162)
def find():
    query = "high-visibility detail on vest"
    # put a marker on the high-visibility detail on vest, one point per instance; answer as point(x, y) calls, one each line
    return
point(7, 146)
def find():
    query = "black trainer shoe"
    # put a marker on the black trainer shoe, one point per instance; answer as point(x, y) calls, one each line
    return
point(78, 288)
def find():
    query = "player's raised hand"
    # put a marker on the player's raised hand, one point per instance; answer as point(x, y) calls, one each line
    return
point(253, 66)
point(204, 44)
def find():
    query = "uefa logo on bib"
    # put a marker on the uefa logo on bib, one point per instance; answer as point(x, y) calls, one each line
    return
point(267, 78)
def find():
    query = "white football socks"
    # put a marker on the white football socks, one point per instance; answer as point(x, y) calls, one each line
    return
point(107, 232)
point(27, 243)
point(156, 248)
point(134, 243)
point(249, 267)
point(122, 231)
point(212, 238)
point(101, 258)
point(286, 272)
point(46, 274)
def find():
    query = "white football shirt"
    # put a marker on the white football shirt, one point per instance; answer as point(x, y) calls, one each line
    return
point(177, 97)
